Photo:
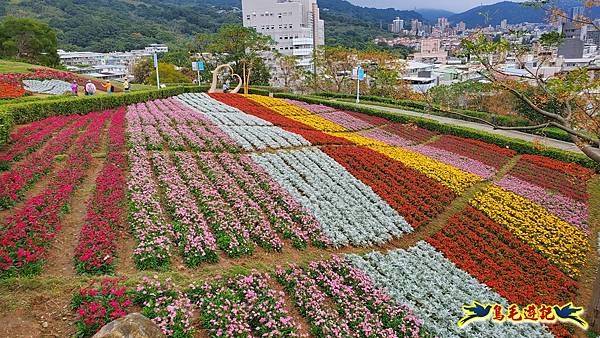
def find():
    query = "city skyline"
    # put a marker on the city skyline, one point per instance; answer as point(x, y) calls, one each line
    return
point(454, 6)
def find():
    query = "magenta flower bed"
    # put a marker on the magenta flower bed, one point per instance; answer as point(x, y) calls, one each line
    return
point(153, 234)
point(457, 161)
point(568, 209)
point(346, 120)
point(382, 135)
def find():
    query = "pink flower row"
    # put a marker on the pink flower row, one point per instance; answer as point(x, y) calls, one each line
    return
point(244, 306)
point(197, 242)
point(360, 309)
point(153, 234)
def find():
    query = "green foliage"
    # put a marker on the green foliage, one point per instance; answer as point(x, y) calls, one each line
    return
point(179, 58)
point(28, 40)
point(168, 74)
point(520, 146)
point(142, 71)
point(240, 47)
point(552, 39)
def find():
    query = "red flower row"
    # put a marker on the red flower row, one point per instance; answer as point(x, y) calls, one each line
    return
point(485, 153)
point(29, 142)
point(11, 91)
point(564, 167)
point(410, 132)
point(491, 254)
point(541, 173)
point(415, 196)
point(105, 214)
point(494, 256)
point(248, 106)
point(15, 182)
point(98, 305)
point(26, 236)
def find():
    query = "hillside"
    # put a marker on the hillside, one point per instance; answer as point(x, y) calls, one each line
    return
point(431, 14)
point(514, 12)
point(109, 25)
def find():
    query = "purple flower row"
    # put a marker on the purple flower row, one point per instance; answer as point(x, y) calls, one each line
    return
point(315, 108)
point(231, 236)
point(361, 308)
point(167, 307)
point(140, 132)
point(197, 242)
point(286, 215)
point(248, 210)
point(568, 209)
point(380, 134)
point(243, 306)
point(346, 120)
point(464, 163)
point(153, 234)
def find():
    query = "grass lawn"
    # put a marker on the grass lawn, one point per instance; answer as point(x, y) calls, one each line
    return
point(15, 67)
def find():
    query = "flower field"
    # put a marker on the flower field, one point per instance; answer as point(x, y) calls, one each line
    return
point(231, 215)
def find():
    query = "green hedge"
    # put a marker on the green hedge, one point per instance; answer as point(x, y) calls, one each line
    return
point(520, 146)
point(509, 121)
point(27, 112)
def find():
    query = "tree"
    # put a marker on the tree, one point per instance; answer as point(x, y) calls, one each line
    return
point(334, 66)
point(241, 47)
point(289, 72)
point(142, 71)
point(28, 40)
point(573, 94)
point(168, 74)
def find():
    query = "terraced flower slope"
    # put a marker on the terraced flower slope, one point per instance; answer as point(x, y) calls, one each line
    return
point(233, 215)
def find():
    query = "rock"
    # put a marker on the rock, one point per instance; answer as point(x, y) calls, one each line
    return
point(134, 325)
point(45, 325)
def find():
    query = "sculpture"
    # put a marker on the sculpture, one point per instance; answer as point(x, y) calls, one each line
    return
point(215, 80)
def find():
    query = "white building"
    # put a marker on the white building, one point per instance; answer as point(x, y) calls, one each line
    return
point(289, 23)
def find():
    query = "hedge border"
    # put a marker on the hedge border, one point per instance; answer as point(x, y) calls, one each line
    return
point(521, 146)
point(27, 112)
point(509, 121)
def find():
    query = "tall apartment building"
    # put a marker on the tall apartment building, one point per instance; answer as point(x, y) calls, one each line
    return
point(442, 23)
point(397, 25)
point(289, 23)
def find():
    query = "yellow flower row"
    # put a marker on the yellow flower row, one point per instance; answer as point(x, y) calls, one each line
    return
point(563, 244)
point(297, 113)
point(453, 178)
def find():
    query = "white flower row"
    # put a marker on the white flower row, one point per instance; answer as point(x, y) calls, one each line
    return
point(436, 290)
point(220, 113)
point(251, 138)
point(348, 211)
point(52, 87)
point(250, 132)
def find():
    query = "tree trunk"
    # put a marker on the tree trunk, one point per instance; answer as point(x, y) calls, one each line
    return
point(589, 151)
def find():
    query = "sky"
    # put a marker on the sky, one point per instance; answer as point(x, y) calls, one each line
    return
point(451, 5)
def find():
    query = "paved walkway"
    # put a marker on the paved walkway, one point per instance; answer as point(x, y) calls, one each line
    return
point(474, 125)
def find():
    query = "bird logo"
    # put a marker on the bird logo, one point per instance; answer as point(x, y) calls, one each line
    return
point(474, 312)
point(570, 313)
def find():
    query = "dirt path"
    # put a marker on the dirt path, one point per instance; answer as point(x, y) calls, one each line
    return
point(60, 260)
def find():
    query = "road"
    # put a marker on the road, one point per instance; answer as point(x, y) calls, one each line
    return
point(483, 127)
